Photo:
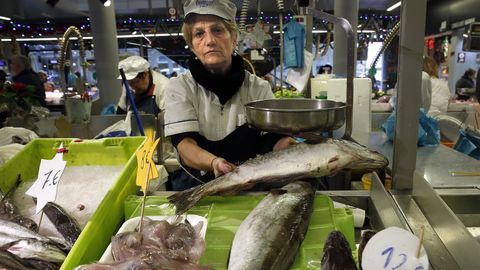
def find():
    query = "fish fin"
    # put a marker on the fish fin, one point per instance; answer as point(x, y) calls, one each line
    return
point(278, 191)
point(184, 200)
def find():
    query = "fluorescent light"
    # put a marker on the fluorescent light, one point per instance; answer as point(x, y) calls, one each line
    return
point(5, 18)
point(394, 6)
point(107, 3)
point(325, 31)
point(90, 37)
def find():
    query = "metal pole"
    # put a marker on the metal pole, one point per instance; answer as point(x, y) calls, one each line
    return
point(347, 9)
point(104, 32)
point(350, 59)
point(412, 32)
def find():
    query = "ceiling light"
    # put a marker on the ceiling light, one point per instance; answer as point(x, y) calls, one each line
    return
point(5, 18)
point(52, 3)
point(106, 3)
point(394, 6)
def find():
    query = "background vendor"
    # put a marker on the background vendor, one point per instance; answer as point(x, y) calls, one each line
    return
point(205, 108)
point(146, 84)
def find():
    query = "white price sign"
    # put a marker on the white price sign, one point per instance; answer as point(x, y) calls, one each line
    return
point(394, 249)
point(49, 174)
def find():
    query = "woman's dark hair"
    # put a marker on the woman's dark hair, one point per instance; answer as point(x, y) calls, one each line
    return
point(469, 72)
point(3, 76)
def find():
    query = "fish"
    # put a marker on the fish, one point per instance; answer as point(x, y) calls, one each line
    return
point(11, 231)
point(177, 241)
point(12, 262)
point(66, 225)
point(31, 248)
point(366, 236)
point(43, 265)
point(301, 160)
point(337, 253)
point(160, 245)
point(15, 230)
point(271, 234)
point(133, 264)
point(8, 211)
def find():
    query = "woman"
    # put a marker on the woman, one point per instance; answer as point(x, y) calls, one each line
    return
point(466, 81)
point(440, 91)
point(205, 112)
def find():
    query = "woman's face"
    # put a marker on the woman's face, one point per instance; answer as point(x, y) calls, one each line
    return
point(212, 43)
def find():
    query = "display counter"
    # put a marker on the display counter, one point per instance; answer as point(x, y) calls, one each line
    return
point(435, 163)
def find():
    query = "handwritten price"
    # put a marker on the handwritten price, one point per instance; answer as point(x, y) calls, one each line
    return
point(394, 249)
point(389, 252)
point(53, 181)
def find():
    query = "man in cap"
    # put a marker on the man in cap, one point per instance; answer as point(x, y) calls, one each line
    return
point(146, 84)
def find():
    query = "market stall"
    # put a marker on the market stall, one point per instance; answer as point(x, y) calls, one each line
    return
point(290, 224)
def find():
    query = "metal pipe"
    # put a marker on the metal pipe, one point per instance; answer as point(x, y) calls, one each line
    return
point(342, 22)
point(72, 31)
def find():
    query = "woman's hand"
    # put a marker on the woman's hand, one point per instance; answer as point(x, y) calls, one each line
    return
point(220, 166)
point(284, 143)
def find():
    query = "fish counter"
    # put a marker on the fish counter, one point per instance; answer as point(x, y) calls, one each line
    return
point(297, 211)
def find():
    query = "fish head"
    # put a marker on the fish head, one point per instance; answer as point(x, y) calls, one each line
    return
point(362, 158)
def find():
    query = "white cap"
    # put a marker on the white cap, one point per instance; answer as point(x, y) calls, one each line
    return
point(225, 9)
point(132, 66)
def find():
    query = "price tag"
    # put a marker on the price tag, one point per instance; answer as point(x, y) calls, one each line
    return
point(394, 249)
point(144, 161)
point(49, 174)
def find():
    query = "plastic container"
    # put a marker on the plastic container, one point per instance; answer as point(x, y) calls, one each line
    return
point(78, 111)
point(95, 237)
point(367, 181)
point(225, 214)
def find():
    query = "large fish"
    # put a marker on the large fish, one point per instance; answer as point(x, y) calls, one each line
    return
point(299, 161)
point(270, 235)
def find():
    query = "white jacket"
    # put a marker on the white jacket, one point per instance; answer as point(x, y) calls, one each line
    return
point(192, 108)
point(440, 97)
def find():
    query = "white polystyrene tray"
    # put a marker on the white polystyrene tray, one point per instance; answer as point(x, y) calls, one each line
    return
point(132, 223)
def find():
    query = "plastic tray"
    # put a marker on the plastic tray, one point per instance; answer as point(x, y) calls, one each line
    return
point(131, 224)
point(96, 235)
point(225, 214)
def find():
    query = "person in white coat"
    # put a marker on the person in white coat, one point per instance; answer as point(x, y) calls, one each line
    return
point(146, 85)
point(205, 107)
point(440, 91)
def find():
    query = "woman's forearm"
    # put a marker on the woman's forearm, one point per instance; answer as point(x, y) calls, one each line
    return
point(194, 156)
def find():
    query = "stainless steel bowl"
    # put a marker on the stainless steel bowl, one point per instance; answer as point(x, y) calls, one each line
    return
point(293, 116)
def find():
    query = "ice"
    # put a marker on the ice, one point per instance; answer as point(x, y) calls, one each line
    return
point(79, 186)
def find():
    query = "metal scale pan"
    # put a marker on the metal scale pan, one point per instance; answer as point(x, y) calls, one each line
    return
point(294, 116)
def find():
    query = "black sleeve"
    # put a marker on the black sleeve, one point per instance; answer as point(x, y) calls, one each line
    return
point(269, 140)
point(120, 111)
point(177, 138)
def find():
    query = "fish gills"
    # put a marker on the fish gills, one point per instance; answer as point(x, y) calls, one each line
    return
point(271, 234)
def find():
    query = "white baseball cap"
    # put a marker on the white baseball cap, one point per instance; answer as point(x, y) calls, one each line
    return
point(225, 9)
point(132, 66)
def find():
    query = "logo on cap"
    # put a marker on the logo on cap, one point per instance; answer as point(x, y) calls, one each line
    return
point(204, 3)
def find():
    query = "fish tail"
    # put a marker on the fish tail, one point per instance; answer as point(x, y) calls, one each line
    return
point(186, 199)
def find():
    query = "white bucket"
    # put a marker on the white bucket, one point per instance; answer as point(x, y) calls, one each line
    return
point(78, 111)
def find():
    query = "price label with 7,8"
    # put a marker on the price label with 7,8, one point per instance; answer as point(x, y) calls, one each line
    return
point(394, 249)
point(49, 174)
point(145, 163)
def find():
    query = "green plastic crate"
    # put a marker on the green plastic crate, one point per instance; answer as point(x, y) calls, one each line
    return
point(96, 235)
point(225, 214)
